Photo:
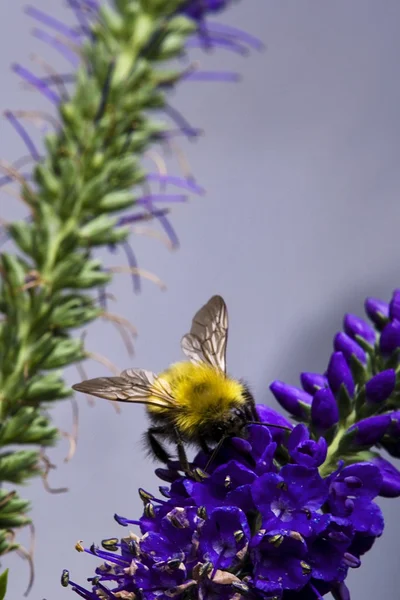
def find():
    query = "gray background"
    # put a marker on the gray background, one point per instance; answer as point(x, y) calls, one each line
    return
point(300, 223)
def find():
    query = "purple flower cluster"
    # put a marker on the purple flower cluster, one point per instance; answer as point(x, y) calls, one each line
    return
point(357, 400)
point(263, 524)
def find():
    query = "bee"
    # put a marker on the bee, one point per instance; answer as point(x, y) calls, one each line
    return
point(192, 402)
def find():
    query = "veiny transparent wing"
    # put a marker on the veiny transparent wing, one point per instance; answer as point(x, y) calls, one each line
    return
point(133, 385)
point(208, 336)
point(191, 347)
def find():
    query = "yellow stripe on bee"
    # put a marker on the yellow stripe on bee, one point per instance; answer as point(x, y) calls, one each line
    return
point(201, 394)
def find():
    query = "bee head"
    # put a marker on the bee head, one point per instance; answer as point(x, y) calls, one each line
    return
point(235, 422)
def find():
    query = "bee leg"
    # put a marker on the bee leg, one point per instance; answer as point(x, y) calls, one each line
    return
point(182, 457)
point(204, 446)
point(155, 446)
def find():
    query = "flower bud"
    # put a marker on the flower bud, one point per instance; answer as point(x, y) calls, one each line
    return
point(379, 387)
point(370, 431)
point(390, 338)
point(339, 373)
point(311, 382)
point(354, 326)
point(348, 347)
point(394, 306)
point(304, 451)
point(291, 398)
point(391, 442)
point(269, 415)
point(324, 409)
point(377, 310)
point(391, 478)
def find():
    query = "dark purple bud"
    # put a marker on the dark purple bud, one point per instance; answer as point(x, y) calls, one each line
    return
point(379, 388)
point(324, 409)
point(339, 373)
point(390, 338)
point(370, 431)
point(291, 398)
point(354, 326)
point(394, 306)
point(377, 310)
point(269, 415)
point(344, 344)
point(304, 451)
point(311, 382)
point(391, 478)
point(391, 442)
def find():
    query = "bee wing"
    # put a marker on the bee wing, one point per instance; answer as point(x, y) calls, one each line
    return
point(208, 336)
point(133, 385)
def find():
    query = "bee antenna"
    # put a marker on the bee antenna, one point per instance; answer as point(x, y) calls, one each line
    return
point(268, 425)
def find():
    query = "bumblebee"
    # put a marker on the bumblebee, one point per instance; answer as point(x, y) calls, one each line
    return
point(193, 402)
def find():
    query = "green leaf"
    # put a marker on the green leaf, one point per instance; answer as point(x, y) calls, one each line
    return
point(65, 352)
point(3, 584)
point(116, 201)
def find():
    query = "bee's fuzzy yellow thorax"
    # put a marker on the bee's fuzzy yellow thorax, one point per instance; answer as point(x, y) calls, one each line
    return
point(201, 394)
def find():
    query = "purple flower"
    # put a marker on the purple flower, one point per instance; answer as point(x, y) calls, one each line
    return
point(391, 441)
point(224, 537)
point(351, 495)
point(390, 477)
point(394, 306)
point(339, 374)
point(370, 431)
point(292, 399)
point(269, 415)
point(377, 310)
point(279, 557)
point(348, 347)
point(354, 326)
point(311, 382)
point(286, 500)
point(390, 338)
point(379, 387)
point(252, 527)
point(303, 450)
point(324, 409)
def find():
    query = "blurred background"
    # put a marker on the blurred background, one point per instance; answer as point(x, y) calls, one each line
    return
point(300, 222)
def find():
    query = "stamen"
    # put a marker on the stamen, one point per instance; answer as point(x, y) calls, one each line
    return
point(54, 75)
point(224, 76)
point(185, 184)
point(64, 49)
point(217, 42)
point(147, 231)
point(142, 216)
point(125, 522)
point(130, 255)
point(50, 21)
point(184, 126)
point(122, 325)
point(147, 200)
point(48, 466)
point(72, 437)
point(23, 134)
point(141, 272)
point(83, 375)
point(36, 83)
point(229, 30)
point(28, 555)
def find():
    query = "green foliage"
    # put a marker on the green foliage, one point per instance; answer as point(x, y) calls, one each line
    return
point(3, 584)
point(86, 179)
